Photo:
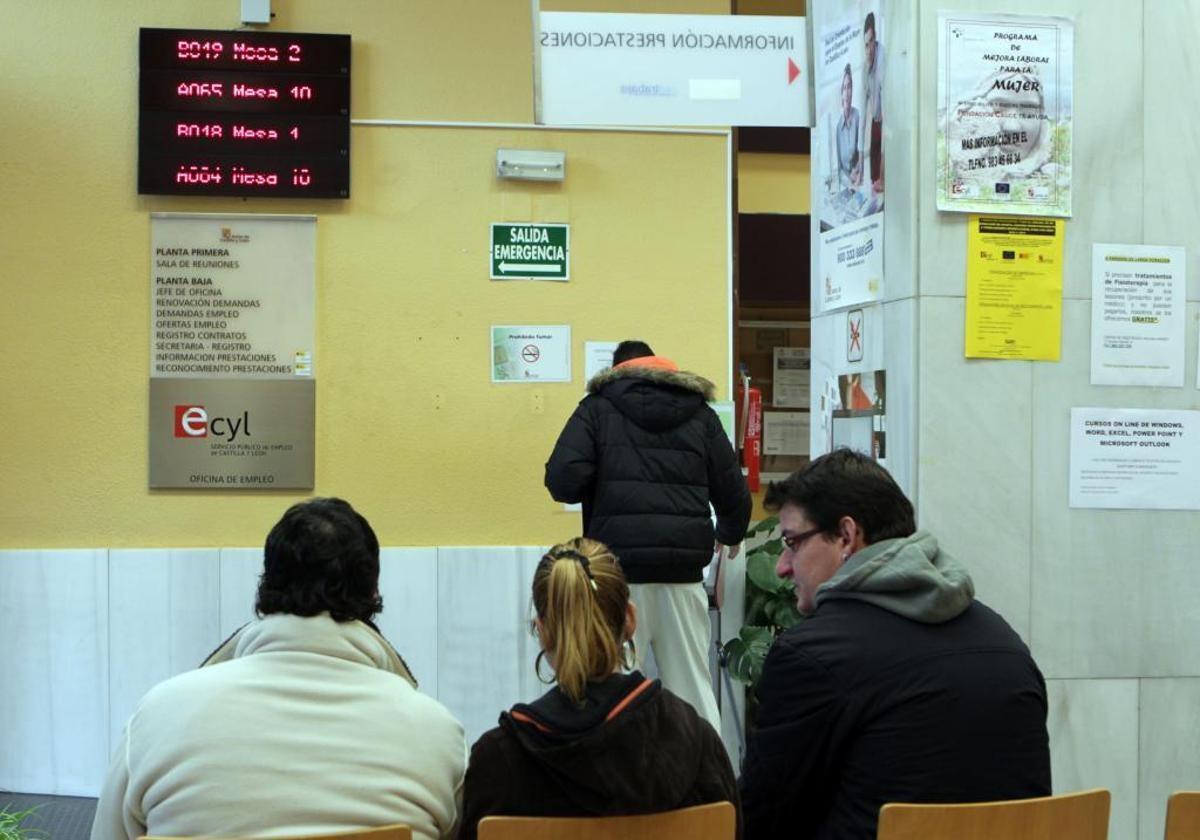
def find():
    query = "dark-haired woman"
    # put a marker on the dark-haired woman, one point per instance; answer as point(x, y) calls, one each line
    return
point(602, 742)
point(304, 721)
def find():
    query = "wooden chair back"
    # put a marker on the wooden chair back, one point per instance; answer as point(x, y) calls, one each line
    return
point(1183, 815)
point(1071, 816)
point(386, 832)
point(717, 821)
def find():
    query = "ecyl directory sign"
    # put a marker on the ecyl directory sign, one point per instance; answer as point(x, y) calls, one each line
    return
point(208, 434)
point(232, 401)
point(521, 251)
point(232, 296)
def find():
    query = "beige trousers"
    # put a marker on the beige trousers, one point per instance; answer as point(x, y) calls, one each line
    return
point(673, 623)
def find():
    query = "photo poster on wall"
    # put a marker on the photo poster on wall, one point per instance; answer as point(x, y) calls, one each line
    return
point(1005, 101)
point(859, 420)
point(848, 163)
point(232, 400)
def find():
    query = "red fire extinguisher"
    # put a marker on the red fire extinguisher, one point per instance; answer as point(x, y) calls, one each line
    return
point(750, 415)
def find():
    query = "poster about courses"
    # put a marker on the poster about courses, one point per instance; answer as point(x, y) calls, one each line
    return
point(1005, 95)
point(1135, 459)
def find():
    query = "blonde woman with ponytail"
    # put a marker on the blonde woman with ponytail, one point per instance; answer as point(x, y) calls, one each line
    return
point(604, 740)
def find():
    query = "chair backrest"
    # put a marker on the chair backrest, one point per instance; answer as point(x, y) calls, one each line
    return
point(1072, 816)
point(1183, 815)
point(386, 832)
point(717, 821)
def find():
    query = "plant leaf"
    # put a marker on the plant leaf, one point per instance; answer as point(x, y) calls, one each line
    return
point(782, 613)
point(746, 653)
point(756, 607)
point(760, 571)
point(765, 527)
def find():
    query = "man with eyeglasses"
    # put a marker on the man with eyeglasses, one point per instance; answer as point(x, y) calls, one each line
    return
point(899, 686)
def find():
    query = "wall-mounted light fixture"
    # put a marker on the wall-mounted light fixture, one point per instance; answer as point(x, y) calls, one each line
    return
point(256, 11)
point(531, 165)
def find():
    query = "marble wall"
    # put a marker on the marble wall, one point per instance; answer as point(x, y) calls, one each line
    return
point(1109, 601)
point(87, 632)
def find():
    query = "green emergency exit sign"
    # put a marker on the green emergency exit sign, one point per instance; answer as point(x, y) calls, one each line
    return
point(530, 251)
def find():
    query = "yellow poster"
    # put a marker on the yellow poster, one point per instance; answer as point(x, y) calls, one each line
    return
point(1014, 288)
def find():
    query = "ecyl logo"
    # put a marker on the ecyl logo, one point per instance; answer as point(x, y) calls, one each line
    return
point(191, 421)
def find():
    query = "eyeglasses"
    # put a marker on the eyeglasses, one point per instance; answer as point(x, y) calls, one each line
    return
point(794, 542)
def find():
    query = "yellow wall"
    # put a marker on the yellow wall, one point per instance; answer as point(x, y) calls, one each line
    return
point(409, 427)
point(773, 183)
point(771, 7)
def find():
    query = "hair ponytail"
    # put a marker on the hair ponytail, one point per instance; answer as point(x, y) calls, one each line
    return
point(580, 595)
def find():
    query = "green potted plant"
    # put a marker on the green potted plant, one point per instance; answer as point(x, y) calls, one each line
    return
point(12, 825)
point(770, 606)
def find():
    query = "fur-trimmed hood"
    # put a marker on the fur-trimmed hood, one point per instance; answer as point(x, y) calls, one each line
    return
point(656, 399)
point(675, 378)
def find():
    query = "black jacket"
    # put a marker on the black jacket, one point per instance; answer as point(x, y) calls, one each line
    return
point(645, 454)
point(553, 759)
point(860, 706)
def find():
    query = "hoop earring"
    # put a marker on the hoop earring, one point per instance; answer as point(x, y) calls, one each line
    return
point(537, 669)
point(629, 655)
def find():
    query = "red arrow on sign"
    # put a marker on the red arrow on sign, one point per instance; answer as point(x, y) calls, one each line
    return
point(793, 71)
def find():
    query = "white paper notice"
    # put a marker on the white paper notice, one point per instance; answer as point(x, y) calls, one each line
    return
point(597, 356)
point(785, 432)
point(1141, 459)
point(790, 377)
point(1138, 315)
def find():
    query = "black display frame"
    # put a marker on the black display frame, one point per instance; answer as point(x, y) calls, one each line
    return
point(241, 113)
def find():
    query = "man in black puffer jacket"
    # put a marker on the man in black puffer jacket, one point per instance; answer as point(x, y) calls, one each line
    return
point(646, 455)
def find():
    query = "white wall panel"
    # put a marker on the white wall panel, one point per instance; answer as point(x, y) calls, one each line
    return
point(902, 158)
point(408, 584)
point(1171, 129)
point(54, 705)
point(240, 570)
point(899, 324)
point(974, 464)
point(1169, 748)
point(529, 687)
point(482, 633)
point(163, 620)
point(1116, 592)
point(1094, 744)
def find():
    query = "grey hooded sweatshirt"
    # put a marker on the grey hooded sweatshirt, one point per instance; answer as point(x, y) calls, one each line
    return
point(899, 688)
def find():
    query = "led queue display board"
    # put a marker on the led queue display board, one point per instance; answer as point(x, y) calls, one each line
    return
point(244, 114)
